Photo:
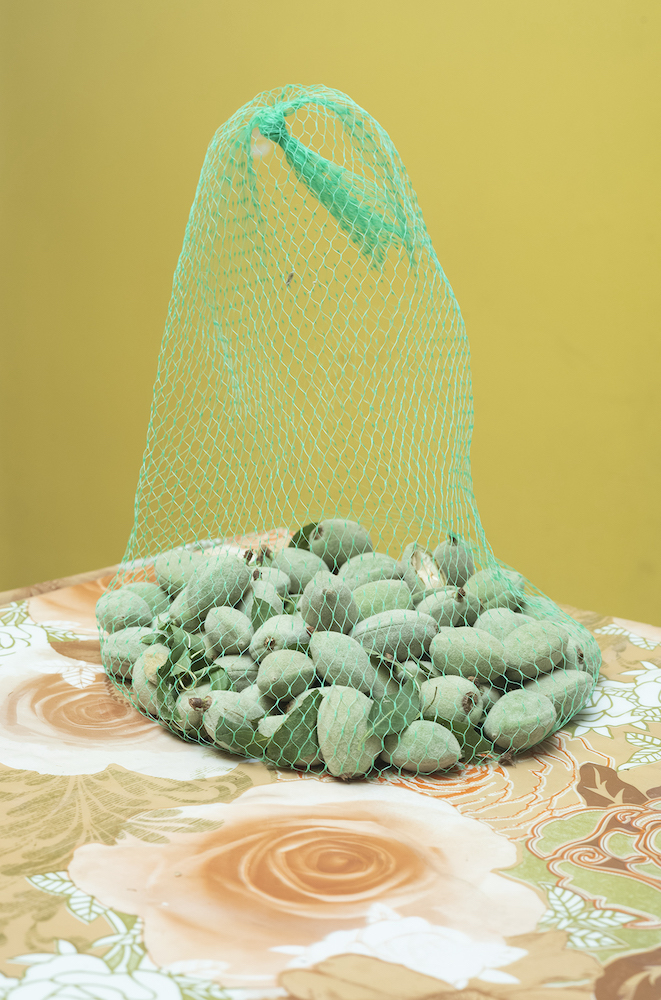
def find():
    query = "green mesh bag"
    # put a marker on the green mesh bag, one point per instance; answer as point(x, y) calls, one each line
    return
point(307, 580)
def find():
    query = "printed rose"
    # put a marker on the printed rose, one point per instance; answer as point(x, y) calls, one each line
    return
point(291, 863)
point(74, 605)
point(615, 704)
point(65, 717)
point(62, 713)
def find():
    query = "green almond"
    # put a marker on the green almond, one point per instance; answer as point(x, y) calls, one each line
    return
point(347, 742)
point(454, 560)
point(519, 720)
point(382, 595)
point(336, 541)
point(423, 748)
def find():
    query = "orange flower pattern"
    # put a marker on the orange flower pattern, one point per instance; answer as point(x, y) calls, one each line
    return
point(302, 868)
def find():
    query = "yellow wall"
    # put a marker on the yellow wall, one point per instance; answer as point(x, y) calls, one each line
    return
point(530, 130)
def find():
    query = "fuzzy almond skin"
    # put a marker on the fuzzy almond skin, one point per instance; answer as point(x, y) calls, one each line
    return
point(229, 631)
point(468, 653)
point(343, 732)
point(534, 649)
point(120, 609)
point(368, 567)
point(190, 707)
point(220, 582)
point(450, 698)
point(318, 580)
point(497, 588)
point(500, 622)
point(329, 606)
point(275, 577)
point(336, 541)
point(241, 670)
point(252, 699)
point(382, 595)
point(567, 690)
point(120, 650)
point(270, 724)
point(519, 720)
point(454, 560)
point(152, 594)
point(300, 566)
point(181, 614)
point(490, 695)
point(228, 721)
point(402, 635)
point(143, 676)
point(279, 632)
point(285, 673)
point(424, 747)
point(450, 607)
point(583, 654)
point(581, 649)
point(417, 671)
point(339, 659)
point(175, 567)
point(264, 591)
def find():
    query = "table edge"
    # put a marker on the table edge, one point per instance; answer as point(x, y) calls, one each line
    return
point(22, 593)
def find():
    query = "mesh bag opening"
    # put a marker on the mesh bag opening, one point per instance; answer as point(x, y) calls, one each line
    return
point(307, 580)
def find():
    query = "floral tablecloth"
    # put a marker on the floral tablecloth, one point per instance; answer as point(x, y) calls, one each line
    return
point(134, 865)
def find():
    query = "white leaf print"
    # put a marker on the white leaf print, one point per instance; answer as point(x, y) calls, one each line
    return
point(609, 918)
point(635, 640)
point(57, 883)
point(643, 741)
point(585, 938)
point(79, 677)
point(84, 907)
point(639, 758)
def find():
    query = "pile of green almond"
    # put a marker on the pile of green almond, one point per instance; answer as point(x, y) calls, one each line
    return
point(329, 655)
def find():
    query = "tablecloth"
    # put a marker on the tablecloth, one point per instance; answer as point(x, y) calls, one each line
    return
point(135, 865)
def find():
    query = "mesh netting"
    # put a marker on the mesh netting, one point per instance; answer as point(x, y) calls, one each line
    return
point(307, 580)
